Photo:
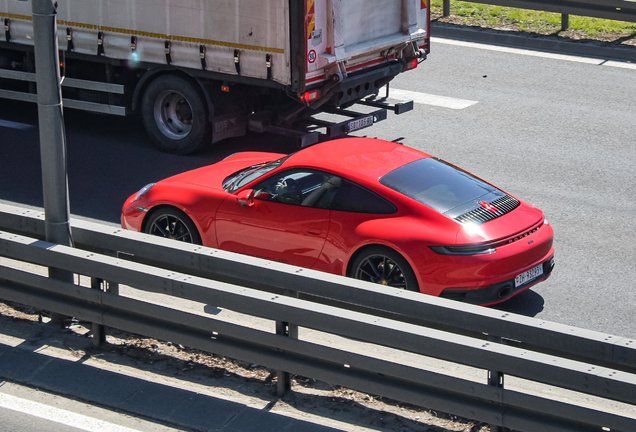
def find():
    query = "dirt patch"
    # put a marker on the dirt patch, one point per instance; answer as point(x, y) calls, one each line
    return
point(356, 410)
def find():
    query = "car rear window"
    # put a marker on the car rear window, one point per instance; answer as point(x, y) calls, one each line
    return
point(437, 184)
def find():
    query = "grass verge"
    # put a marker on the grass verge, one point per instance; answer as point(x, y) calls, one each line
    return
point(538, 22)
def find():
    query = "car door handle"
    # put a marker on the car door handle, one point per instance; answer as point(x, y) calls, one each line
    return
point(314, 231)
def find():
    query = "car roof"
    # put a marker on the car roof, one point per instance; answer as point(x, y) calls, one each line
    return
point(358, 157)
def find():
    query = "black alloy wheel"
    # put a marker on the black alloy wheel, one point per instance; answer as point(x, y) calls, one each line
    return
point(384, 266)
point(173, 224)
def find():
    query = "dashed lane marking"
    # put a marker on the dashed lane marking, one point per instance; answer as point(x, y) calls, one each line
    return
point(429, 99)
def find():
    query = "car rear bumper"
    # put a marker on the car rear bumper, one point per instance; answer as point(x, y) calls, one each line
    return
point(501, 291)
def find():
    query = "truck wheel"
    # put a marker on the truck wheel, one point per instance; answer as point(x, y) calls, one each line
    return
point(175, 115)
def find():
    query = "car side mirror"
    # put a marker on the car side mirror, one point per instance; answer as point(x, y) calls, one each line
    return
point(246, 197)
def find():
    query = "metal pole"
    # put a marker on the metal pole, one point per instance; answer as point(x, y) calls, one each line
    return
point(565, 22)
point(446, 8)
point(52, 133)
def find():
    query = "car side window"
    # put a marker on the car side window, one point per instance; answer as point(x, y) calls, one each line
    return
point(312, 188)
point(292, 187)
point(351, 197)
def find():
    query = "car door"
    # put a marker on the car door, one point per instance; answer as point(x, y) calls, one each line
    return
point(277, 226)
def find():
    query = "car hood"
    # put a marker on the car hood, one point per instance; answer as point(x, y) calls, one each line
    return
point(518, 220)
point(212, 176)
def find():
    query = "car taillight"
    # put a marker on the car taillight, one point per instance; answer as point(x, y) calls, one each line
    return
point(311, 96)
point(463, 250)
point(411, 64)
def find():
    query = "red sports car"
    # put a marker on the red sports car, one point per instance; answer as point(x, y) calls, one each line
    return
point(365, 208)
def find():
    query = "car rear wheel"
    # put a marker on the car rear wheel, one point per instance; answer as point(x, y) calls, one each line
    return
point(383, 265)
point(173, 224)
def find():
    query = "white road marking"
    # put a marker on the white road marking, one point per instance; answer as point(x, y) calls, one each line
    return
point(528, 52)
point(60, 416)
point(429, 99)
point(15, 125)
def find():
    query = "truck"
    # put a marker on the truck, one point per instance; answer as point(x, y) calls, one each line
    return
point(200, 71)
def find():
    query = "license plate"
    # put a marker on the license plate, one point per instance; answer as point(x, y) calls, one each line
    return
point(529, 275)
point(360, 123)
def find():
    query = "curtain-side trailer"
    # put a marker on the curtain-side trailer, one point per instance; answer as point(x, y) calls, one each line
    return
point(199, 71)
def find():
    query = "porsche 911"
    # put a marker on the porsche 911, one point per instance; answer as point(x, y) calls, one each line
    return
point(365, 208)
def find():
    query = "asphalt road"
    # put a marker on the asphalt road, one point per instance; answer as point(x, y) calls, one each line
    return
point(15, 421)
point(552, 130)
point(557, 133)
point(27, 409)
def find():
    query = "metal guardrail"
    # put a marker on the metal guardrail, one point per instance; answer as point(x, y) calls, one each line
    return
point(619, 10)
point(332, 304)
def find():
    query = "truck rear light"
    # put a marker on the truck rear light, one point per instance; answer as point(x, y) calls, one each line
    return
point(411, 64)
point(311, 96)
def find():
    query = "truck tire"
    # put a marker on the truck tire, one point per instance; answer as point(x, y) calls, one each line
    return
point(175, 115)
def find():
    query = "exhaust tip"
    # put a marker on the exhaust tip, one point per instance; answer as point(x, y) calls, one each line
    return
point(505, 291)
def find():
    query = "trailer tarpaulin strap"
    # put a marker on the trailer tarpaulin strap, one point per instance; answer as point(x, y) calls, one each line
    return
point(237, 61)
point(69, 37)
point(268, 64)
point(167, 51)
point(100, 43)
point(7, 30)
point(204, 65)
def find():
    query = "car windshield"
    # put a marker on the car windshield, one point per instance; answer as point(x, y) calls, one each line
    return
point(240, 178)
point(436, 183)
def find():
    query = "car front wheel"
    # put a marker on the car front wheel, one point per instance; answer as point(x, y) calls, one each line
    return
point(173, 224)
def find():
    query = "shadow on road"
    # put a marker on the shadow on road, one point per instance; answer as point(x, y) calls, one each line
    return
point(528, 303)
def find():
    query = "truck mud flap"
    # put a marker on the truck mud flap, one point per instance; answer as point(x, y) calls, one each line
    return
point(303, 139)
point(228, 126)
point(262, 122)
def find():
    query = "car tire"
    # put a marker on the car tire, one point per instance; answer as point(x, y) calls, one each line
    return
point(175, 114)
point(172, 223)
point(383, 265)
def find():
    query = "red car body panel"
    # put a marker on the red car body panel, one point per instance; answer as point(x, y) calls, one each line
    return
point(271, 231)
point(328, 240)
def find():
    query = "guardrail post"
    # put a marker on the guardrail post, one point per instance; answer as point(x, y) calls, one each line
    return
point(283, 328)
point(565, 22)
point(99, 335)
point(446, 8)
point(496, 379)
